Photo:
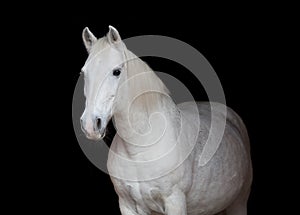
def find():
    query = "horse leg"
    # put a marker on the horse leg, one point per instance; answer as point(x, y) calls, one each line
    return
point(175, 204)
point(239, 206)
point(221, 213)
point(128, 208)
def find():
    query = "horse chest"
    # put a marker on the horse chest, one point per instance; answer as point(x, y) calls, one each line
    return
point(143, 195)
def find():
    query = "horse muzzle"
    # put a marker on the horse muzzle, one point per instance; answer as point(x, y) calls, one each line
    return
point(94, 130)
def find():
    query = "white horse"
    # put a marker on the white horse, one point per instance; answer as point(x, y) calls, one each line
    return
point(154, 159)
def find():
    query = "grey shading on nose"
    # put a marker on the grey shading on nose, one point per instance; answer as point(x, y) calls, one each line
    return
point(97, 124)
point(81, 124)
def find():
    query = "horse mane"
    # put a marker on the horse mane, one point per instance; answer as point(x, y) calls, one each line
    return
point(101, 44)
point(145, 89)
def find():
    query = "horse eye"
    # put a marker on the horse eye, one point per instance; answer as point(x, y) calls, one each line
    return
point(116, 72)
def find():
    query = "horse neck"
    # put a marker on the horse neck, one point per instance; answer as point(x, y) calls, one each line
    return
point(149, 117)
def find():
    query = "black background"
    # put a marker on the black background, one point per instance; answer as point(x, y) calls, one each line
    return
point(241, 46)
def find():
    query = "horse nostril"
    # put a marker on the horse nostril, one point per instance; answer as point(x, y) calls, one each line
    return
point(81, 125)
point(98, 123)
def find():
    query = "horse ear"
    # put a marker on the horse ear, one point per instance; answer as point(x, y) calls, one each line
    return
point(113, 35)
point(88, 38)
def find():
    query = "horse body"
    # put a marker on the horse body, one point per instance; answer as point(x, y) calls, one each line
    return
point(223, 182)
point(155, 158)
